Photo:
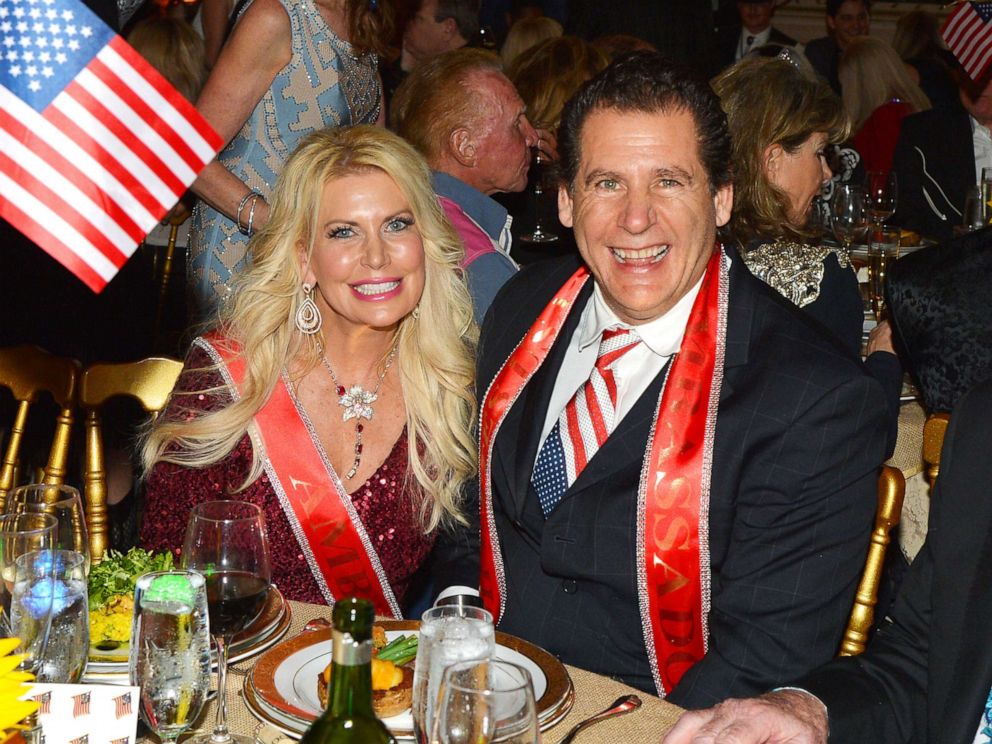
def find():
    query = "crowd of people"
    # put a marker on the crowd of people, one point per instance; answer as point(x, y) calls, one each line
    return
point(654, 450)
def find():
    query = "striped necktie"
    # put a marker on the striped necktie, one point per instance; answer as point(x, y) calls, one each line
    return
point(587, 421)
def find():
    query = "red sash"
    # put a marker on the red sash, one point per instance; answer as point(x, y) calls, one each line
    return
point(673, 497)
point(325, 523)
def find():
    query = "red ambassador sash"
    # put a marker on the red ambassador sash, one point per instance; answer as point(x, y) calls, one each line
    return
point(335, 547)
point(673, 497)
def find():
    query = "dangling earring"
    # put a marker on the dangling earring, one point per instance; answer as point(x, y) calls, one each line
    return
point(308, 318)
point(416, 312)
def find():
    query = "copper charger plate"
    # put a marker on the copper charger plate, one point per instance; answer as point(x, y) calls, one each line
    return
point(290, 702)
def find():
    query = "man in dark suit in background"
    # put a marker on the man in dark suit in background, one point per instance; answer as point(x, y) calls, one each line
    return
point(752, 30)
point(677, 468)
point(926, 675)
point(846, 20)
point(940, 155)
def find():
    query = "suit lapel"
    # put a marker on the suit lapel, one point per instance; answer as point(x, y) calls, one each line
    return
point(517, 442)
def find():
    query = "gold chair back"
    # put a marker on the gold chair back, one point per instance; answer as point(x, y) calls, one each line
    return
point(28, 371)
point(933, 442)
point(149, 381)
point(891, 490)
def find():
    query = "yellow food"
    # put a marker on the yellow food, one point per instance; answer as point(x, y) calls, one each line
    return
point(385, 675)
point(112, 622)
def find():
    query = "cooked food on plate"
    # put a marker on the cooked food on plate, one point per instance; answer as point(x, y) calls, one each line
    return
point(392, 678)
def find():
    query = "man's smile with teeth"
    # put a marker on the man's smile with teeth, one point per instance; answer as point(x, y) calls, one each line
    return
point(654, 253)
point(374, 289)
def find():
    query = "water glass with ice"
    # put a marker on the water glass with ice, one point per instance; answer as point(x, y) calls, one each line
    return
point(27, 571)
point(64, 660)
point(170, 650)
point(448, 634)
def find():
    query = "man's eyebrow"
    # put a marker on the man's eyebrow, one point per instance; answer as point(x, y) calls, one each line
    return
point(676, 173)
point(598, 174)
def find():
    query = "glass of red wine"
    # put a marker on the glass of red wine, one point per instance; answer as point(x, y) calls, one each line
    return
point(226, 542)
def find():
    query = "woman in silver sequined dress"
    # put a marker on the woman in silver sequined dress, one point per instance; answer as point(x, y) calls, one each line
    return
point(781, 122)
point(289, 68)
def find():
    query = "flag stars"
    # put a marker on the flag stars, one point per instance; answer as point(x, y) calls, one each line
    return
point(86, 31)
point(31, 70)
point(70, 30)
point(35, 86)
point(38, 28)
point(6, 27)
point(61, 58)
point(12, 56)
point(51, 14)
point(21, 26)
point(54, 29)
point(35, 12)
point(15, 70)
point(67, 15)
point(28, 56)
point(47, 71)
point(18, 12)
point(24, 41)
point(73, 45)
point(41, 42)
point(8, 41)
point(45, 57)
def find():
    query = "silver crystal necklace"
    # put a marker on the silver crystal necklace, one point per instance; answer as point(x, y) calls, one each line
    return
point(357, 403)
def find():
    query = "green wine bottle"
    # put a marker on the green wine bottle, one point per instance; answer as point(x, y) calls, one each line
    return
point(349, 717)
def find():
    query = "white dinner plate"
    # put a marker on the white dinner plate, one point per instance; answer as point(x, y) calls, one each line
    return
point(282, 688)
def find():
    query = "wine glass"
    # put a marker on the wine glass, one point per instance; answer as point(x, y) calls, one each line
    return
point(227, 543)
point(28, 570)
point(65, 656)
point(486, 701)
point(62, 502)
point(543, 191)
point(170, 650)
point(849, 214)
point(881, 189)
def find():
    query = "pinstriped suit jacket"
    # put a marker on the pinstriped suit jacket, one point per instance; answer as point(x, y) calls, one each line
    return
point(800, 435)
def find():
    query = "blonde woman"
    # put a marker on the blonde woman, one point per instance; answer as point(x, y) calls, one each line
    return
point(527, 33)
point(878, 94)
point(336, 391)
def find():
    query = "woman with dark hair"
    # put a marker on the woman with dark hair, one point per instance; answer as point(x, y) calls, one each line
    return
point(289, 68)
point(781, 122)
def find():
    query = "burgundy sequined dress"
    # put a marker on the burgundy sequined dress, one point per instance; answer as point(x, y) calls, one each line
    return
point(386, 510)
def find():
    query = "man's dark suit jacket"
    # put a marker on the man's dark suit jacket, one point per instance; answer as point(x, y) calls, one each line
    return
point(935, 162)
point(927, 673)
point(729, 38)
point(824, 55)
point(799, 438)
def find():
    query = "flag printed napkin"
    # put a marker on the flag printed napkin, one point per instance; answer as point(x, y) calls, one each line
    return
point(86, 714)
point(95, 145)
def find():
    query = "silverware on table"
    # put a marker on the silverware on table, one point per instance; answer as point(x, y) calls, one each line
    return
point(621, 705)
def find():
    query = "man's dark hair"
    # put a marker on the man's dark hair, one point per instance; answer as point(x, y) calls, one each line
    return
point(651, 83)
point(833, 6)
point(465, 14)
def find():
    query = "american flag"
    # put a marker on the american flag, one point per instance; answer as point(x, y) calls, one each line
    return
point(968, 34)
point(44, 701)
point(84, 739)
point(95, 146)
point(122, 740)
point(81, 705)
point(122, 705)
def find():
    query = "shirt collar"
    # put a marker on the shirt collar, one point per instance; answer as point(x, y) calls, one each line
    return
point(487, 213)
point(979, 128)
point(662, 335)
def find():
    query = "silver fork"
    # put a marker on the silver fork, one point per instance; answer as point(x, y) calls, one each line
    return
point(621, 705)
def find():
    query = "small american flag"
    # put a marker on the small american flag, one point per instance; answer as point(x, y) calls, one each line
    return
point(84, 739)
point(81, 705)
point(122, 705)
point(122, 740)
point(968, 34)
point(44, 701)
point(95, 146)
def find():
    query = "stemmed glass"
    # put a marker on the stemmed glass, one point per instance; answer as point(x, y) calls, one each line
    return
point(227, 543)
point(62, 502)
point(170, 650)
point(28, 571)
point(542, 188)
point(65, 656)
point(849, 214)
point(881, 188)
point(486, 701)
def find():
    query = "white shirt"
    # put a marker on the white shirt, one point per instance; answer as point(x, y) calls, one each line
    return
point(634, 371)
point(982, 142)
point(757, 40)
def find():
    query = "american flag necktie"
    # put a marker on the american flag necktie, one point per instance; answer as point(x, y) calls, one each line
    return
point(588, 419)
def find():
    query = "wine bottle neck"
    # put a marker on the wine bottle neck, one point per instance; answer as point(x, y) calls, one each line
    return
point(351, 677)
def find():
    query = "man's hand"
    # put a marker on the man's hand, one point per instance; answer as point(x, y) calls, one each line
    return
point(880, 338)
point(783, 717)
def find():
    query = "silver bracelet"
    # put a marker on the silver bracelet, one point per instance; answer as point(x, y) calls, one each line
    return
point(251, 214)
point(241, 207)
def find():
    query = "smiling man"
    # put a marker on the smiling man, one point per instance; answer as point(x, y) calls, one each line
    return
point(677, 468)
point(846, 20)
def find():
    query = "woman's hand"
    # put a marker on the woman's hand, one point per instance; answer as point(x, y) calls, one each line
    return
point(259, 47)
point(547, 143)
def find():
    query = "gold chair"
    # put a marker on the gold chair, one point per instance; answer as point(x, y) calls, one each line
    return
point(28, 371)
point(149, 381)
point(891, 490)
point(933, 442)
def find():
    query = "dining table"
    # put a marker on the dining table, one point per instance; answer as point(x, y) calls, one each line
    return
point(593, 693)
